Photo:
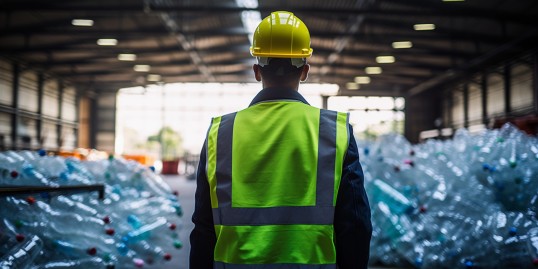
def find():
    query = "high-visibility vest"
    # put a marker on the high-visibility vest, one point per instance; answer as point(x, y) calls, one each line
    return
point(274, 170)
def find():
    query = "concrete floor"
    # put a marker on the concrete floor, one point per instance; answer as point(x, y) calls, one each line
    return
point(186, 189)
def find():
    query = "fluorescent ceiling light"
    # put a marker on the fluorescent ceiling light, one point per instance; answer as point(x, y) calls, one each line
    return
point(424, 26)
point(154, 77)
point(107, 42)
point(249, 18)
point(352, 86)
point(82, 22)
point(362, 80)
point(402, 44)
point(385, 59)
point(141, 68)
point(126, 57)
point(373, 70)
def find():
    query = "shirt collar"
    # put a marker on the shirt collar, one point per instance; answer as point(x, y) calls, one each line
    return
point(268, 94)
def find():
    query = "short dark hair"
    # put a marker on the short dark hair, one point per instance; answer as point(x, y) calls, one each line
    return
point(281, 71)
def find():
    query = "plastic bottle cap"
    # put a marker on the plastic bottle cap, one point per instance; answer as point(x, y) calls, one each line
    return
point(109, 231)
point(535, 262)
point(42, 152)
point(513, 164)
point(110, 157)
point(418, 262)
point(412, 152)
point(396, 168)
point(469, 264)
point(178, 244)
point(176, 193)
point(172, 226)
point(18, 223)
point(92, 251)
point(152, 168)
point(422, 209)
point(19, 237)
point(512, 231)
point(106, 219)
point(138, 262)
point(167, 256)
point(30, 200)
point(107, 257)
point(14, 174)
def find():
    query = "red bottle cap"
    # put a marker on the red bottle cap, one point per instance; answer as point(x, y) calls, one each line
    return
point(92, 251)
point(109, 231)
point(172, 226)
point(14, 174)
point(167, 256)
point(106, 219)
point(30, 200)
point(20, 237)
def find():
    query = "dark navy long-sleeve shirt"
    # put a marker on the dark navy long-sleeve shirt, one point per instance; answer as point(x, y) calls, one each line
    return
point(352, 225)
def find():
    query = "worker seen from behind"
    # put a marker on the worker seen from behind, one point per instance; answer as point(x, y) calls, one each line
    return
point(279, 184)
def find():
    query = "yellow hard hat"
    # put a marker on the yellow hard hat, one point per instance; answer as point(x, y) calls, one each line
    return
point(281, 35)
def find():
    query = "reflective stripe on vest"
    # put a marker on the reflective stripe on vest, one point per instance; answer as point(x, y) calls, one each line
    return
point(247, 223)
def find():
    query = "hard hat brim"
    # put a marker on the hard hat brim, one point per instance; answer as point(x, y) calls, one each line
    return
point(280, 55)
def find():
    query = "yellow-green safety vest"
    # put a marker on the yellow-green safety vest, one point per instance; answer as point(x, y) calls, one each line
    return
point(274, 170)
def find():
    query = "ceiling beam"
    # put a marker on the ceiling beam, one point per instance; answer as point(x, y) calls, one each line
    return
point(43, 6)
point(517, 46)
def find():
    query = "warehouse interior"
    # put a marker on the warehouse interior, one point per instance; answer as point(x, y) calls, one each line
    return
point(457, 63)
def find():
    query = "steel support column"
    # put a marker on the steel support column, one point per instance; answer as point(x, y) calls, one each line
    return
point(507, 90)
point(324, 101)
point(484, 91)
point(535, 80)
point(59, 139)
point(39, 124)
point(15, 105)
point(465, 105)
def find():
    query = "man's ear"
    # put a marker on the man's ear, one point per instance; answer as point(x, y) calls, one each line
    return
point(304, 72)
point(257, 72)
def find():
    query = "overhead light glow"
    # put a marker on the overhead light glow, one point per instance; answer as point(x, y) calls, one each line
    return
point(107, 42)
point(424, 27)
point(362, 80)
point(250, 18)
point(82, 22)
point(127, 57)
point(141, 68)
point(402, 44)
point(373, 70)
point(352, 86)
point(385, 59)
point(154, 77)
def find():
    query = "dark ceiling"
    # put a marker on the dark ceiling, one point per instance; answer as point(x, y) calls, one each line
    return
point(206, 41)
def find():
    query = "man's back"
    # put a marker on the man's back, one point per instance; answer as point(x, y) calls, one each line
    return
point(279, 183)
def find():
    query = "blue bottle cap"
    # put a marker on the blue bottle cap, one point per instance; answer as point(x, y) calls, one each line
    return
point(152, 168)
point(512, 231)
point(418, 262)
point(469, 264)
point(42, 152)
